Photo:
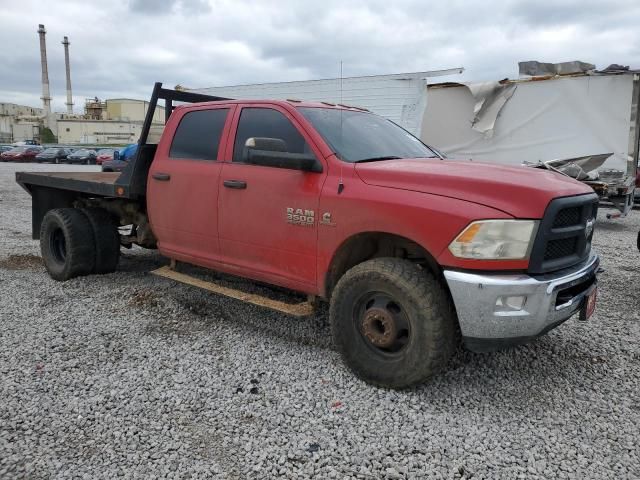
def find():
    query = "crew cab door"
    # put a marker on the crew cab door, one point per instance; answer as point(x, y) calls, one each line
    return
point(269, 215)
point(182, 187)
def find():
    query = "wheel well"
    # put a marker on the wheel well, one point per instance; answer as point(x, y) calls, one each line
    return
point(365, 246)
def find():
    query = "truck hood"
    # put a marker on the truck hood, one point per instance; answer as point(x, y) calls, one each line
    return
point(522, 192)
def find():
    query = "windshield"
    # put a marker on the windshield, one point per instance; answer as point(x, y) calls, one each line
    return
point(18, 149)
point(51, 150)
point(360, 136)
point(82, 151)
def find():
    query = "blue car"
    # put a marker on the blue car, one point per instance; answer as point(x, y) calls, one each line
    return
point(120, 159)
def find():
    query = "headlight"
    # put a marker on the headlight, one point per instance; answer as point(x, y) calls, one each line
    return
point(496, 240)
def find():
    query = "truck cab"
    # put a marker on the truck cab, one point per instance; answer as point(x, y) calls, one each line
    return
point(412, 251)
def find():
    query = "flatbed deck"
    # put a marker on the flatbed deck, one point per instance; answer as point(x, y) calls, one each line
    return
point(90, 183)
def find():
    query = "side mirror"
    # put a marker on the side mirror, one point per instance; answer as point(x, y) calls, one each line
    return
point(116, 155)
point(272, 152)
point(267, 144)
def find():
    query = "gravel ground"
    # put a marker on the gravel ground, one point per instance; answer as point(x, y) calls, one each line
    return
point(131, 375)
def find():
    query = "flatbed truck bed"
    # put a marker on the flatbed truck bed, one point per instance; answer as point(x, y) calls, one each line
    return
point(91, 183)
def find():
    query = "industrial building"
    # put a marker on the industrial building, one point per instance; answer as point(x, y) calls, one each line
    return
point(111, 122)
point(19, 122)
point(99, 132)
point(114, 121)
point(130, 110)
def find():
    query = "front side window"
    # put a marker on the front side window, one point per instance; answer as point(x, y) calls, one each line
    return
point(361, 136)
point(267, 123)
point(198, 135)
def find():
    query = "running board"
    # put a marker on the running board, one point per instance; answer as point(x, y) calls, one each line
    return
point(302, 309)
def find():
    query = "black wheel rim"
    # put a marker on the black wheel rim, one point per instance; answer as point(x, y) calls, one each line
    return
point(58, 245)
point(382, 323)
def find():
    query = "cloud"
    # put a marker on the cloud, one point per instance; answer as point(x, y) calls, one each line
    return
point(151, 7)
point(119, 48)
point(167, 7)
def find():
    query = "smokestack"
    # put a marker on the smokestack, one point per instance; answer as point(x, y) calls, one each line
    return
point(69, 103)
point(46, 98)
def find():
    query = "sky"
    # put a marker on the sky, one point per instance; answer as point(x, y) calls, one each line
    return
point(119, 48)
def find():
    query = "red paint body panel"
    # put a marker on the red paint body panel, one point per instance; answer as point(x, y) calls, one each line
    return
point(245, 231)
point(498, 186)
point(183, 211)
point(253, 229)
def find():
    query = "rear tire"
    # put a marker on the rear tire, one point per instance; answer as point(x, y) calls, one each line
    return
point(392, 322)
point(67, 244)
point(106, 238)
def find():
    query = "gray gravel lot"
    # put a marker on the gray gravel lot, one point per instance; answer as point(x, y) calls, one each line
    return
point(131, 375)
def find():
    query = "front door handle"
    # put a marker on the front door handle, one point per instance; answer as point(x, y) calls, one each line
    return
point(239, 184)
point(163, 177)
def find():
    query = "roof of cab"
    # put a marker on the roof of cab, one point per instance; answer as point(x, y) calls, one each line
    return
point(288, 102)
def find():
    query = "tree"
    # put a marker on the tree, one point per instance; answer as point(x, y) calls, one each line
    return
point(47, 136)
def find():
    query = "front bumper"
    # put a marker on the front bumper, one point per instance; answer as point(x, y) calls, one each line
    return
point(547, 301)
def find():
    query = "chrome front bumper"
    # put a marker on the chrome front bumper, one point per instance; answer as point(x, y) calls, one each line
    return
point(488, 323)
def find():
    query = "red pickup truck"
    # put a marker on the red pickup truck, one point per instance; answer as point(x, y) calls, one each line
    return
point(412, 251)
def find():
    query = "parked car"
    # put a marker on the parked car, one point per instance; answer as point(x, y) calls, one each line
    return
point(115, 165)
point(52, 155)
point(84, 155)
point(104, 155)
point(21, 154)
point(128, 152)
point(23, 143)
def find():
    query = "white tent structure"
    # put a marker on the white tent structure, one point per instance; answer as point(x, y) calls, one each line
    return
point(400, 97)
point(536, 119)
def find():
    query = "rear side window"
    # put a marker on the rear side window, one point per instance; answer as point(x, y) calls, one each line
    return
point(267, 123)
point(198, 135)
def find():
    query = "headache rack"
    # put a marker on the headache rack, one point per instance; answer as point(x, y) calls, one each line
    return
point(132, 182)
point(50, 190)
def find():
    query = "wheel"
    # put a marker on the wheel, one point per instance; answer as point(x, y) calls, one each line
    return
point(106, 238)
point(392, 322)
point(67, 243)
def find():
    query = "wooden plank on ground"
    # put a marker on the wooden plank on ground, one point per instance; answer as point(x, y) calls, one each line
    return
point(302, 309)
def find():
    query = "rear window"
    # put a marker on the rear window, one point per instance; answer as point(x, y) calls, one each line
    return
point(198, 135)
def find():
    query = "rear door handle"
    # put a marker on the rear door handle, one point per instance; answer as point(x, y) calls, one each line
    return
point(239, 184)
point(163, 177)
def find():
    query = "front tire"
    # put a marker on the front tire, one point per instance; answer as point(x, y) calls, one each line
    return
point(392, 322)
point(67, 244)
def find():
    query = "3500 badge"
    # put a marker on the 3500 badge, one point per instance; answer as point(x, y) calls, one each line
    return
point(298, 216)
